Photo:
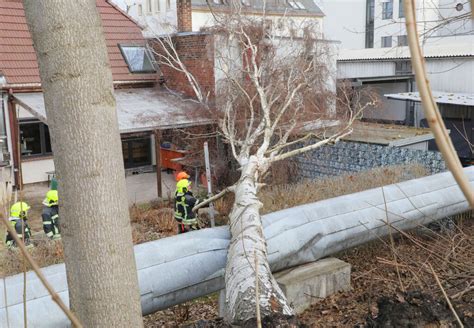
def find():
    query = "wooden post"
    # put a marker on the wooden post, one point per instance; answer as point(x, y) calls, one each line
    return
point(157, 134)
point(15, 140)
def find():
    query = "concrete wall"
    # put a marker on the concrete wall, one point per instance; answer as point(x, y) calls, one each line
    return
point(349, 157)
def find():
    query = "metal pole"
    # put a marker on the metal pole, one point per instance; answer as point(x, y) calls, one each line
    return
point(209, 185)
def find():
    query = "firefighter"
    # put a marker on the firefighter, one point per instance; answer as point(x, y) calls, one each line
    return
point(17, 220)
point(184, 203)
point(50, 215)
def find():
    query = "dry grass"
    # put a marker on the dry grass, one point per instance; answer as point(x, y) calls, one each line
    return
point(45, 253)
point(279, 197)
point(151, 223)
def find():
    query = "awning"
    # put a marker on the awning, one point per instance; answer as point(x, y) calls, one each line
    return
point(462, 99)
point(138, 110)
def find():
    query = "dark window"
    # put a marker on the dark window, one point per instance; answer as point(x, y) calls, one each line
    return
point(401, 12)
point(136, 152)
point(34, 139)
point(387, 9)
point(386, 41)
point(402, 40)
point(138, 59)
point(369, 24)
point(403, 67)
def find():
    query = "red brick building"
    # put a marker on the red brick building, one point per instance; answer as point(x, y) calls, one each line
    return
point(142, 106)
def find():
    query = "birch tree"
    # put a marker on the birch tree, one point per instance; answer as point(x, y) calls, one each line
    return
point(274, 100)
point(80, 105)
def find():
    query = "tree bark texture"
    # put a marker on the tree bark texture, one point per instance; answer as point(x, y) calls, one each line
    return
point(80, 106)
point(247, 244)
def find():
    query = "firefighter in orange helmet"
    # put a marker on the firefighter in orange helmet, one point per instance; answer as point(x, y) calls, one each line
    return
point(182, 175)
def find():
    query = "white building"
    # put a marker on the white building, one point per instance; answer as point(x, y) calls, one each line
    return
point(160, 16)
point(381, 23)
point(374, 53)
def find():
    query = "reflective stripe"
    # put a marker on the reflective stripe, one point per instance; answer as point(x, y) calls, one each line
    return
point(50, 234)
point(46, 222)
point(190, 221)
point(54, 217)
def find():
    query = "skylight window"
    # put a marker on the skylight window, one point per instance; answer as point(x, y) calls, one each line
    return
point(296, 5)
point(138, 59)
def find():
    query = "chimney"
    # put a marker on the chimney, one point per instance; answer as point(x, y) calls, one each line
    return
point(184, 13)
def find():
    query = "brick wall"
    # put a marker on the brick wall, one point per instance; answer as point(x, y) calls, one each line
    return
point(349, 157)
point(184, 15)
point(196, 51)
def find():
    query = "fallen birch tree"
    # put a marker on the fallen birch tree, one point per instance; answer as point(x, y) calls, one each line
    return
point(275, 99)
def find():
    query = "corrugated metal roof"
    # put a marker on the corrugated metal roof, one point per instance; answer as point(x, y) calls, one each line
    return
point(453, 50)
point(291, 8)
point(463, 99)
point(141, 109)
point(18, 58)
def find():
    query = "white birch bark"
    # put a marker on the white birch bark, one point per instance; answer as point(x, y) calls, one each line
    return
point(80, 105)
point(247, 244)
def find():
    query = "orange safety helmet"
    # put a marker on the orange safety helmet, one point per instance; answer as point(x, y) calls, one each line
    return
point(182, 175)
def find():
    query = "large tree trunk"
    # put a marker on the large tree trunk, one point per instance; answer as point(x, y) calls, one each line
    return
point(78, 92)
point(248, 247)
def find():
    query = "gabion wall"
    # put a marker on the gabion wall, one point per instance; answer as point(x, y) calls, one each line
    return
point(348, 157)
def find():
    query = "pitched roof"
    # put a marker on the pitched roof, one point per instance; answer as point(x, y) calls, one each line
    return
point(18, 59)
point(290, 8)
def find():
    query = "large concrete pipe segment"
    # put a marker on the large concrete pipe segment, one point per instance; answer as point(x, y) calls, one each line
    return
point(180, 268)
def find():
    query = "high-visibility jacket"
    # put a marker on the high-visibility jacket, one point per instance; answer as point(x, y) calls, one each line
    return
point(22, 230)
point(183, 206)
point(50, 218)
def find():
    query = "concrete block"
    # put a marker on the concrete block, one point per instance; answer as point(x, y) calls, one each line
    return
point(304, 284)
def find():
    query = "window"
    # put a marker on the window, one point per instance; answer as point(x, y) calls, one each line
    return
point(369, 24)
point(386, 41)
point(138, 59)
point(168, 4)
point(149, 8)
point(403, 67)
point(136, 152)
point(401, 12)
point(34, 138)
point(387, 9)
point(157, 6)
point(140, 10)
point(402, 41)
point(296, 4)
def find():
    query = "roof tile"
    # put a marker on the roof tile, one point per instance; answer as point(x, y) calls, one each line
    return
point(18, 59)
